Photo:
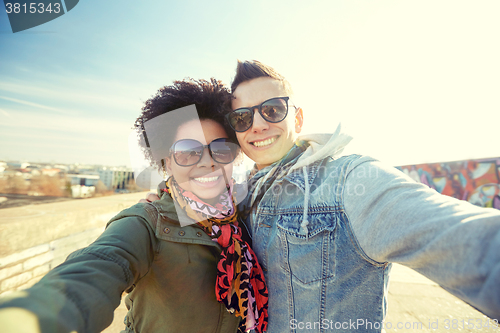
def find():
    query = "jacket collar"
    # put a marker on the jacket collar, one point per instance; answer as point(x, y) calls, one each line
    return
point(167, 207)
point(322, 146)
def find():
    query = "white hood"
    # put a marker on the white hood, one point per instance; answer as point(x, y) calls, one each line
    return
point(322, 146)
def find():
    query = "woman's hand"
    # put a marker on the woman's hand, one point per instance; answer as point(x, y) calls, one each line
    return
point(17, 320)
point(150, 197)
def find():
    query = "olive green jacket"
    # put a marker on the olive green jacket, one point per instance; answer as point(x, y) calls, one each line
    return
point(169, 270)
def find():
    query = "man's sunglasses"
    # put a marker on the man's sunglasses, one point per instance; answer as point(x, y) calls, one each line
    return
point(273, 110)
point(188, 152)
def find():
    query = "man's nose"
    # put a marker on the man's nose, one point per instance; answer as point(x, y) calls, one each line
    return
point(259, 123)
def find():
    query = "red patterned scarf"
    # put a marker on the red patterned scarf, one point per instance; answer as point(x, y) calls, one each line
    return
point(240, 283)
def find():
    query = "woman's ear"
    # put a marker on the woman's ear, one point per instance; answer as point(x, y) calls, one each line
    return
point(239, 159)
point(167, 166)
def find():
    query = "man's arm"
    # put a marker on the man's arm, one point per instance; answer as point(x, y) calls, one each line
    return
point(450, 241)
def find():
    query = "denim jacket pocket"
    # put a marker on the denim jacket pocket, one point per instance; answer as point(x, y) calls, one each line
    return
point(308, 258)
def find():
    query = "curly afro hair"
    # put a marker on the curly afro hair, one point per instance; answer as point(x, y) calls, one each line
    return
point(210, 97)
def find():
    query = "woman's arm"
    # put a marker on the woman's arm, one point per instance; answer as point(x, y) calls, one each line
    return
point(82, 293)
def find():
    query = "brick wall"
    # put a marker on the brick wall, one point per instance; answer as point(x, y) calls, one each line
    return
point(36, 238)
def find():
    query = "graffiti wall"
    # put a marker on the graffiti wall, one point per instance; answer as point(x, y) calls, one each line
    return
point(477, 181)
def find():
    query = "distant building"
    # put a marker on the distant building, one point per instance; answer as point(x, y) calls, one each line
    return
point(50, 171)
point(81, 191)
point(3, 166)
point(115, 178)
point(83, 180)
point(84, 168)
point(63, 167)
point(35, 170)
point(17, 165)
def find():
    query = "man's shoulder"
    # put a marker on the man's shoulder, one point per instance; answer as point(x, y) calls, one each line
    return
point(327, 170)
point(345, 164)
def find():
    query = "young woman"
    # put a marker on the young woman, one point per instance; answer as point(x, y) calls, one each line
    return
point(182, 258)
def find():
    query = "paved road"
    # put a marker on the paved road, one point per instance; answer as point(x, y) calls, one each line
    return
point(9, 200)
point(415, 299)
point(416, 304)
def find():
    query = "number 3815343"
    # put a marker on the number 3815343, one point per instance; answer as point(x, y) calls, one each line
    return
point(32, 8)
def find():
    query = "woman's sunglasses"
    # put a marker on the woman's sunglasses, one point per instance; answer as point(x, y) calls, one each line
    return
point(188, 152)
point(273, 110)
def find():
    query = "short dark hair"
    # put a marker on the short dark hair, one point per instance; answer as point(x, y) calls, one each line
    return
point(208, 96)
point(248, 70)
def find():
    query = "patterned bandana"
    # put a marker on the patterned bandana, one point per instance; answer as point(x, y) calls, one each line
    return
point(262, 180)
point(240, 283)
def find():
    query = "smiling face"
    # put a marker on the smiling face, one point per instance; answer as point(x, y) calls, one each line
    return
point(205, 178)
point(266, 143)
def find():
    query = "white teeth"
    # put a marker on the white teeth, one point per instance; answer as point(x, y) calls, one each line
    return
point(264, 143)
point(206, 179)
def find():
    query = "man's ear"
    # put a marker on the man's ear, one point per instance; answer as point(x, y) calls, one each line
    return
point(299, 120)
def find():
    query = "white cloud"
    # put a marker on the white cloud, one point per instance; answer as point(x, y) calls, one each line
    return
point(5, 113)
point(77, 124)
point(75, 93)
point(35, 105)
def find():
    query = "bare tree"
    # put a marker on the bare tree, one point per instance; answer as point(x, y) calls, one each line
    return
point(3, 185)
point(133, 187)
point(47, 185)
point(101, 189)
point(16, 184)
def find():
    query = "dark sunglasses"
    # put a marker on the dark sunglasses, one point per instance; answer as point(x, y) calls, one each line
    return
point(188, 152)
point(273, 110)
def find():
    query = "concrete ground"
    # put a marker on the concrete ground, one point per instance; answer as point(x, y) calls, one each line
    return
point(8, 200)
point(422, 306)
point(416, 304)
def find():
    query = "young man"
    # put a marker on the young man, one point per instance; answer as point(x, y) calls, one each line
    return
point(326, 227)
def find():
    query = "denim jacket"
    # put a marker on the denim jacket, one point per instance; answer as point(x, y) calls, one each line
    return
point(327, 231)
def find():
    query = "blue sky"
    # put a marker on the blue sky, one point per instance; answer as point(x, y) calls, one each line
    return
point(413, 82)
